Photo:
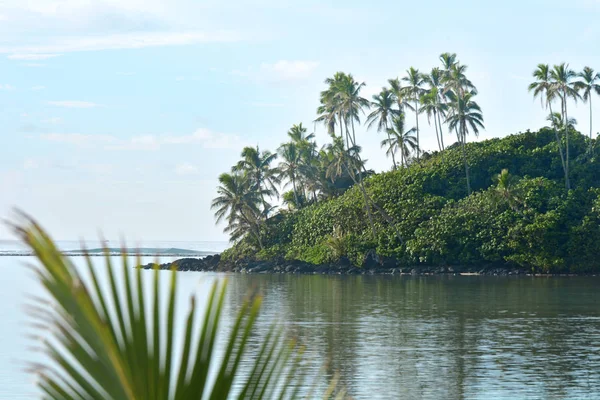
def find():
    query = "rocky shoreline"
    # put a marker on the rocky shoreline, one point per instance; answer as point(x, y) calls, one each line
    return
point(373, 265)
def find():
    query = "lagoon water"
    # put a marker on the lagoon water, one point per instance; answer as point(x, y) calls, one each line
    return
point(389, 337)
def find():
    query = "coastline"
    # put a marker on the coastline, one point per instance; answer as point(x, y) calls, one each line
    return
point(343, 267)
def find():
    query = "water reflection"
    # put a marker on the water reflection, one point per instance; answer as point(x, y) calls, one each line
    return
point(441, 337)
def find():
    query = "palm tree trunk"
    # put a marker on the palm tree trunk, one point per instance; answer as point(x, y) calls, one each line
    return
point(417, 118)
point(295, 192)
point(566, 124)
point(441, 131)
point(361, 185)
point(390, 140)
point(591, 122)
point(256, 232)
point(560, 150)
point(437, 134)
point(464, 151)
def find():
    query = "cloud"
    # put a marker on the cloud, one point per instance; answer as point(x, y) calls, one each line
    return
point(53, 120)
point(206, 138)
point(39, 87)
point(30, 128)
point(79, 139)
point(6, 86)
point(285, 70)
point(73, 104)
point(280, 71)
point(201, 137)
point(32, 57)
point(186, 169)
point(118, 41)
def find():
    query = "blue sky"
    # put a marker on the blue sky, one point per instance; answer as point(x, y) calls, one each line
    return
point(118, 115)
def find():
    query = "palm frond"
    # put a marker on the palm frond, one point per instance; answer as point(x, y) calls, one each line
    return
point(108, 347)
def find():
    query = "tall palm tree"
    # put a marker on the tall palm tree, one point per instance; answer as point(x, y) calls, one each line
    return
point(544, 88)
point(399, 139)
point(465, 114)
point(257, 165)
point(565, 86)
point(414, 90)
point(383, 113)
point(431, 106)
point(589, 84)
point(289, 166)
point(238, 203)
point(436, 104)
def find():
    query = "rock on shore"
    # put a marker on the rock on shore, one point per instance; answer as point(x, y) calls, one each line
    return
point(372, 265)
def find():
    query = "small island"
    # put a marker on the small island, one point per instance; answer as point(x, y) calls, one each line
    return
point(524, 203)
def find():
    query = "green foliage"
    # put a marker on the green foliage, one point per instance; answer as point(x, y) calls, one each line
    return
point(522, 216)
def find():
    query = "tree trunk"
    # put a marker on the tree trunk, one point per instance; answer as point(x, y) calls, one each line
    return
point(566, 123)
point(441, 130)
point(360, 184)
point(437, 134)
point(560, 150)
point(389, 139)
point(591, 122)
point(464, 151)
point(295, 192)
point(417, 118)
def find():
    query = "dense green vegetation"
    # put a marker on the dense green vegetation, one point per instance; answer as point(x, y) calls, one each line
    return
point(530, 200)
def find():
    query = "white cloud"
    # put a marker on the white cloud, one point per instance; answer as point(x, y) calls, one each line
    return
point(73, 104)
point(186, 169)
point(31, 57)
point(206, 138)
point(134, 40)
point(288, 70)
point(53, 120)
point(78, 139)
point(39, 87)
point(201, 137)
point(6, 86)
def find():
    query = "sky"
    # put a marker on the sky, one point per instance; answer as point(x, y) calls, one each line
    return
point(119, 115)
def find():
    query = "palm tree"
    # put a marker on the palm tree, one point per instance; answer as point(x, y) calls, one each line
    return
point(111, 342)
point(544, 88)
point(505, 189)
point(289, 166)
point(431, 106)
point(398, 93)
point(298, 134)
point(565, 88)
point(383, 113)
point(413, 91)
point(399, 139)
point(436, 104)
point(257, 165)
point(448, 61)
point(238, 203)
point(557, 122)
point(465, 113)
point(589, 85)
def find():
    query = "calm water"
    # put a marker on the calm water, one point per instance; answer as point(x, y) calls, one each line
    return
point(393, 337)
